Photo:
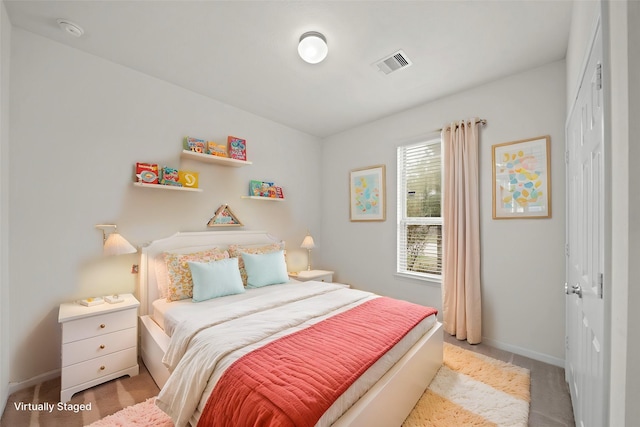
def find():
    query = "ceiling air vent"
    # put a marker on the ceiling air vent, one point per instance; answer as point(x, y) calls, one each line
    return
point(393, 62)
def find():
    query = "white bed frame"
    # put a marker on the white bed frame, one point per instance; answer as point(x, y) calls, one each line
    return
point(387, 403)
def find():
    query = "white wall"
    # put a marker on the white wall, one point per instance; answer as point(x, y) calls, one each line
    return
point(5, 47)
point(632, 390)
point(78, 125)
point(622, 38)
point(523, 260)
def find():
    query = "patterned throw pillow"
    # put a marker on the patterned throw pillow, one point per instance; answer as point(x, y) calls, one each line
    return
point(180, 280)
point(236, 250)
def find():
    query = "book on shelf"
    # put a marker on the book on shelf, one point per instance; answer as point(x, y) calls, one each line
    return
point(147, 173)
point(170, 176)
point(216, 149)
point(237, 148)
point(195, 144)
point(188, 179)
point(265, 189)
point(279, 193)
point(259, 188)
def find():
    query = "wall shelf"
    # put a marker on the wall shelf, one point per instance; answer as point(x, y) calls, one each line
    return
point(208, 158)
point(167, 187)
point(271, 199)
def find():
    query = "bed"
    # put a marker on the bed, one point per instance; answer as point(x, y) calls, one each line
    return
point(383, 395)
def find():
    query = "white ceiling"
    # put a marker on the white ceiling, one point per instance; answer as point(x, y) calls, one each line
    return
point(243, 53)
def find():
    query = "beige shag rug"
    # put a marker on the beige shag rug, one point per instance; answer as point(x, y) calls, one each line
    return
point(469, 390)
point(144, 414)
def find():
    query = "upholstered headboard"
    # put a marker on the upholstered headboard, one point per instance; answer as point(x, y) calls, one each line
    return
point(185, 242)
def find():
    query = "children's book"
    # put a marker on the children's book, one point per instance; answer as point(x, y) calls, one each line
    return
point(216, 149)
point(170, 176)
point(188, 179)
point(237, 148)
point(261, 188)
point(194, 144)
point(147, 173)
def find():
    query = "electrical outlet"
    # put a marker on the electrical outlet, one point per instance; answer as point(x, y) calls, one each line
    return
point(134, 269)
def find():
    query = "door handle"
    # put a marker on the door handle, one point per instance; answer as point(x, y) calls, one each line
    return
point(575, 289)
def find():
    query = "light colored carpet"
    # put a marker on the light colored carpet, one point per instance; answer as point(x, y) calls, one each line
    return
point(104, 399)
point(145, 414)
point(469, 390)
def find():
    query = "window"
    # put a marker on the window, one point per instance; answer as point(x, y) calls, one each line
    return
point(419, 214)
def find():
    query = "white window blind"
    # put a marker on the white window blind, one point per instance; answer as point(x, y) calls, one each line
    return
point(419, 209)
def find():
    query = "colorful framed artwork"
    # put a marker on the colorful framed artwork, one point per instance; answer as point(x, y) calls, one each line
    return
point(367, 194)
point(522, 179)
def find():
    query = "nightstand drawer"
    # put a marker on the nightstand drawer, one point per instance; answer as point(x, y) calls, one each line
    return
point(88, 327)
point(325, 278)
point(90, 348)
point(100, 366)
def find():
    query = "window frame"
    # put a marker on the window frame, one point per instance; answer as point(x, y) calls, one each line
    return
point(402, 221)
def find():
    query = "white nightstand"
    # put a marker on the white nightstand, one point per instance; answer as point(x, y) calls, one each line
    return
point(99, 343)
point(318, 275)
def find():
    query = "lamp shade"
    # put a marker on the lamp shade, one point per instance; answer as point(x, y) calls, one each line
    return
point(308, 243)
point(313, 47)
point(117, 245)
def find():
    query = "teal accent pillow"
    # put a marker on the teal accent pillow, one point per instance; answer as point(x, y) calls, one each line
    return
point(215, 279)
point(265, 269)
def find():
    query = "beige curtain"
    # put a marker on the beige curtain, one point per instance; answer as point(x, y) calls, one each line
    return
point(461, 306)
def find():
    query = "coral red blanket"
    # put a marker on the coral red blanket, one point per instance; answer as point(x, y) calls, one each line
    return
point(292, 381)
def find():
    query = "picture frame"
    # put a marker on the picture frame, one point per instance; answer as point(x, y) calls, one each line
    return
point(522, 179)
point(367, 194)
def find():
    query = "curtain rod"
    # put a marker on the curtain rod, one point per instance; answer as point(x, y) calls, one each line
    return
point(483, 122)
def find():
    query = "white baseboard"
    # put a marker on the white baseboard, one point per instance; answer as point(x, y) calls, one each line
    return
point(4, 396)
point(525, 352)
point(13, 387)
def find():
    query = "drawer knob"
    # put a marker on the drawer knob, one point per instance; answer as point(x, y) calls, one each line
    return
point(101, 346)
point(102, 368)
point(102, 326)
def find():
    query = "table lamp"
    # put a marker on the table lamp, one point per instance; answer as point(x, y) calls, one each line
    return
point(308, 244)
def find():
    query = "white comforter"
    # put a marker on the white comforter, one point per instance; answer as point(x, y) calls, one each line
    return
point(203, 346)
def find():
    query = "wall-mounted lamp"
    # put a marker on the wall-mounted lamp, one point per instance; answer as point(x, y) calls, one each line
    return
point(308, 244)
point(113, 244)
point(313, 47)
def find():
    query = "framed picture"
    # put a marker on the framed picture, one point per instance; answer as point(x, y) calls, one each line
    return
point(521, 179)
point(366, 194)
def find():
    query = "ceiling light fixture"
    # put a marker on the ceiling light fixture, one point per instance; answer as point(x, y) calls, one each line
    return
point(313, 47)
point(70, 28)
